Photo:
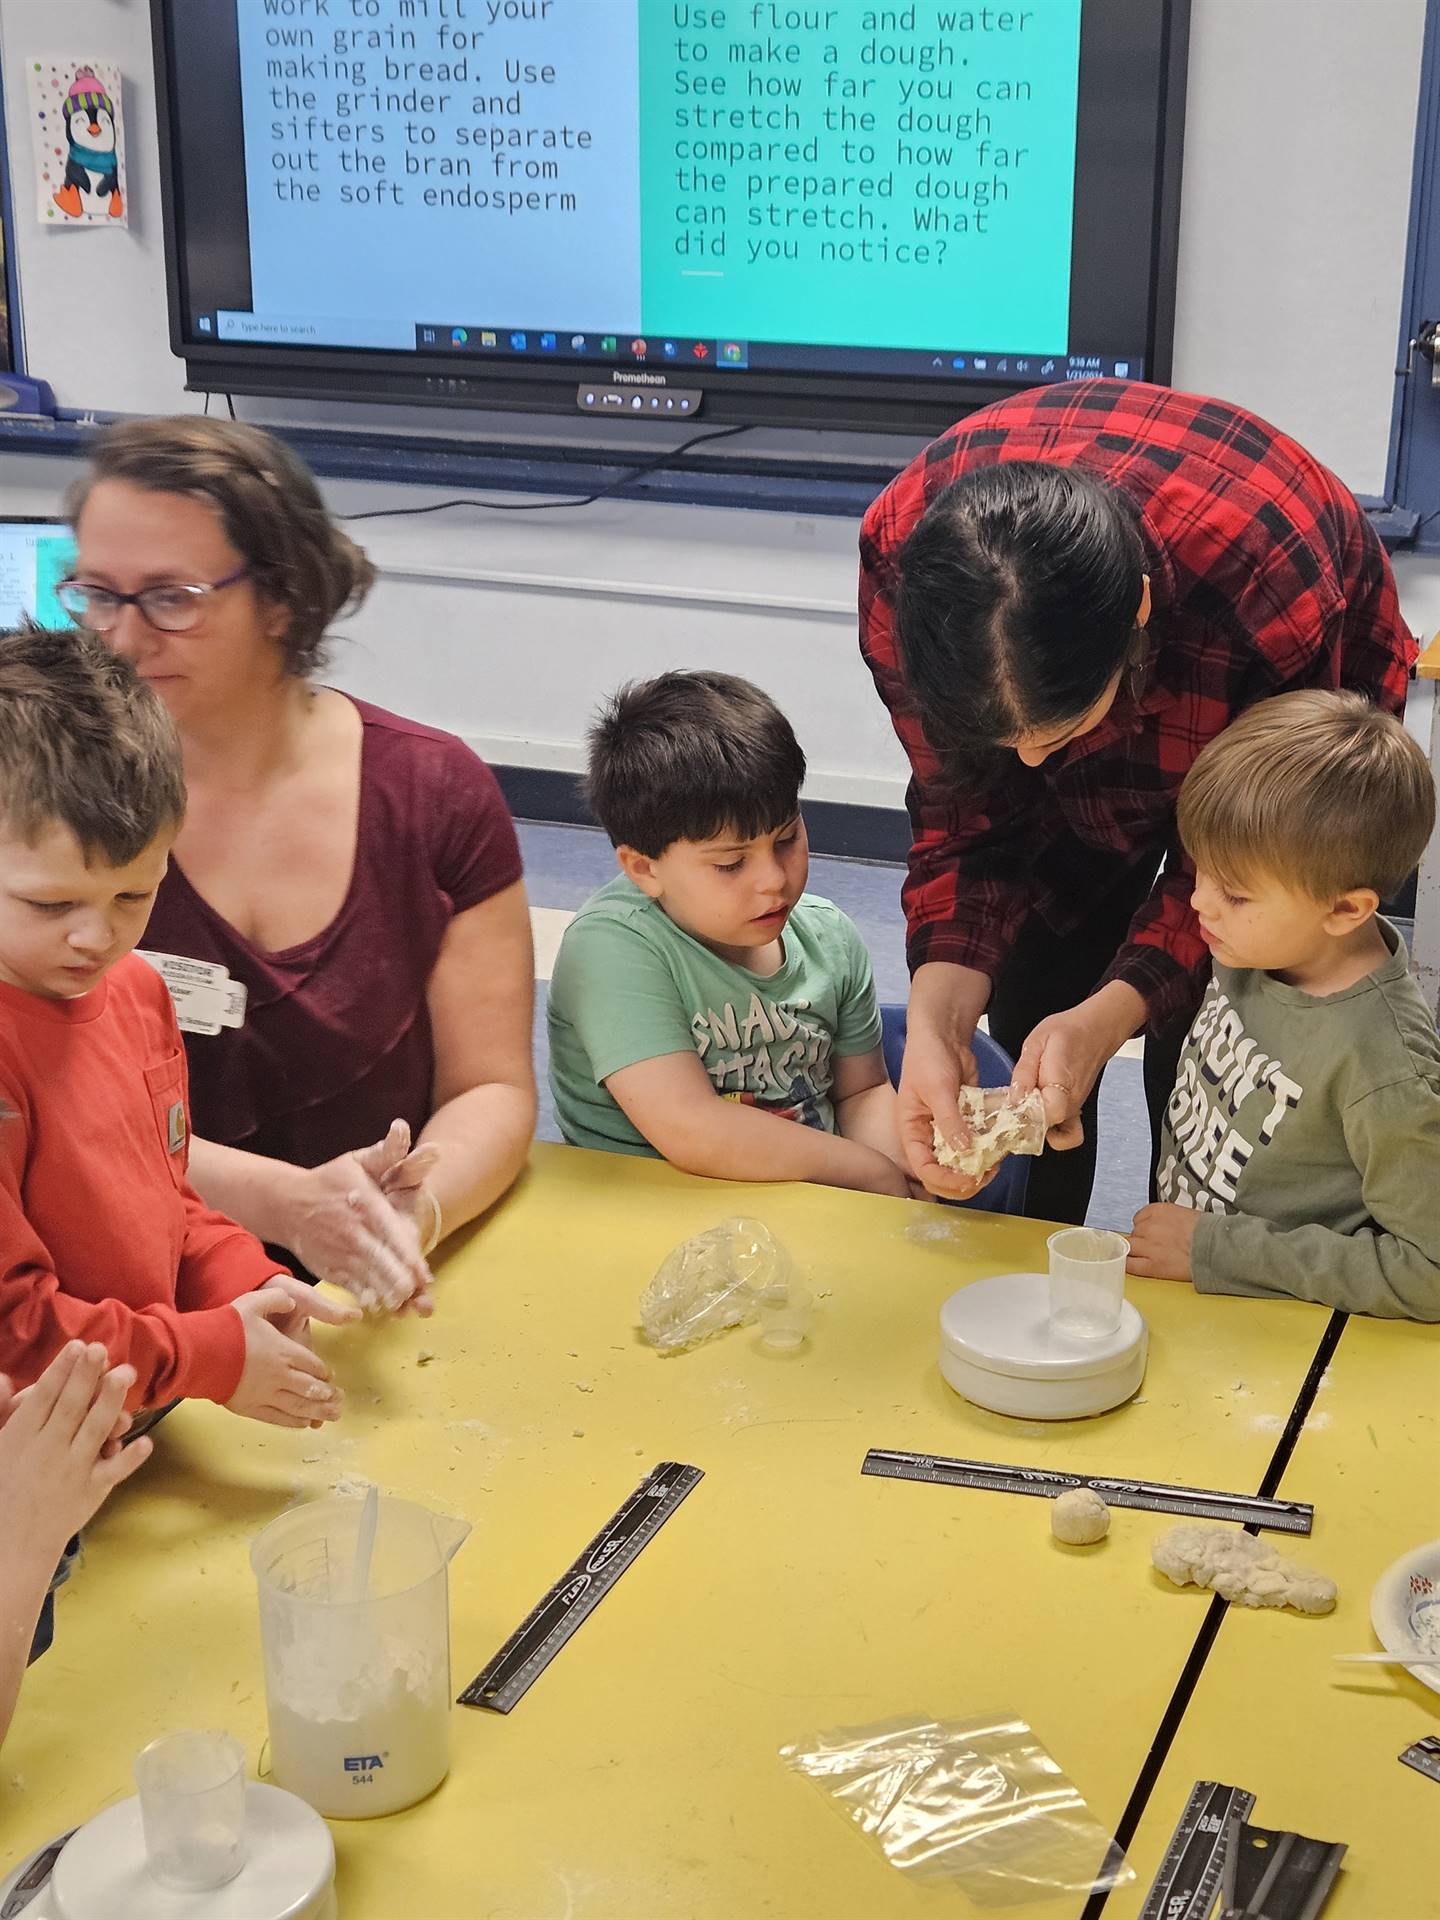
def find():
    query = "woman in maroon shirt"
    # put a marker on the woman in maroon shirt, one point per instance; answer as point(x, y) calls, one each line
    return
point(344, 923)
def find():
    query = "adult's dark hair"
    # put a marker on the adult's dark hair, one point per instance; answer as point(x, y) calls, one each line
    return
point(1016, 604)
point(269, 506)
point(689, 756)
point(84, 744)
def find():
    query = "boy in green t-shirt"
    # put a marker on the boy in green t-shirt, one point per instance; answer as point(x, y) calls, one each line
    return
point(1301, 1145)
point(703, 1003)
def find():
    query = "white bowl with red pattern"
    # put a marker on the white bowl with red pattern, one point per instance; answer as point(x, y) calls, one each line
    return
point(1405, 1609)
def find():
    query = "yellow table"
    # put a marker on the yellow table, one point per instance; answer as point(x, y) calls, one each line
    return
point(1314, 1742)
point(639, 1777)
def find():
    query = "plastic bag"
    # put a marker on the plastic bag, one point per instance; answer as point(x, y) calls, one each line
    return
point(999, 1124)
point(711, 1282)
point(978, 1803)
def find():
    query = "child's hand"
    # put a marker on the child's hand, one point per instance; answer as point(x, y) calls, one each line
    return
point(283, 1381)
point(1160, 1242)
point(59, 1449)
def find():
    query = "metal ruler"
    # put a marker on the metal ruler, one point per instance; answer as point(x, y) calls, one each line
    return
point(1202, 1503)
point(1273, 1875)
point(580, 1589)
point(1190, 1876)
point(1424, 1756)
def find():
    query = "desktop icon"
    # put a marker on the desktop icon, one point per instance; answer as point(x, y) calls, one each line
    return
point(519, 342)
point(981, 365)
point(1122, 369)
point(700, 351)
point(487, 339)
point(1049, 367)
point(458, 336)
point(609, 343)
point(639, 349)
point(1002, 366)
point(206, 324)
point(577, 343)
point(547, 341)
point(958, 363)
point(670, 349)
point(1022, 366)
point(732, 353)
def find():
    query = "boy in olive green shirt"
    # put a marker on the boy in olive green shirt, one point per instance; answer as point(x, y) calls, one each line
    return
point(1301, 1145)
point(704, 1008)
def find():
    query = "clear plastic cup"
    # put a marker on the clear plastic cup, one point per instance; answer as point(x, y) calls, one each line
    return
point(192, 1807)
point(1087, 1281)
point(786, 1313)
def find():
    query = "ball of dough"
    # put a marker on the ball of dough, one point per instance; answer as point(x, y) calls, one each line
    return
point(1079, 1517)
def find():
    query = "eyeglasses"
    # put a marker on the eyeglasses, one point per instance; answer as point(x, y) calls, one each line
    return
point(169, 609)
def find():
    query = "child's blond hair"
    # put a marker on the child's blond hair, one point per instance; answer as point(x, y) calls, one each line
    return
point(1322, 792)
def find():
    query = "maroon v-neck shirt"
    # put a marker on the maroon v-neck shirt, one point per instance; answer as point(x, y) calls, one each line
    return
point(336, 1041)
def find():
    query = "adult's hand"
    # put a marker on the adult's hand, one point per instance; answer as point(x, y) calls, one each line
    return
point(946, 1001)
point(341, 1223)
point(1066, 1054)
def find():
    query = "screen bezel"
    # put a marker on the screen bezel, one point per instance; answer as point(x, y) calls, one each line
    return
point(830, 400)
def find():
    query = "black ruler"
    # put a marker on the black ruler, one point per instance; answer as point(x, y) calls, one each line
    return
point(1424, 1756)
point(1202, 1503)
point(580, 1589)
point(1190, 1876)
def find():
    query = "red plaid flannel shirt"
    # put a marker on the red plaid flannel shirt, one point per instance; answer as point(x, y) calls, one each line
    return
point(1264, 576)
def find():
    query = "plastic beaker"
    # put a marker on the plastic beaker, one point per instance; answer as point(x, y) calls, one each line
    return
point(192, 1808)
point(357, 1687)
point(786, 1313)
point(1087, 1280)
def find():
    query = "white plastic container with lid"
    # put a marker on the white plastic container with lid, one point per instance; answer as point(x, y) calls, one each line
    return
point(289, 1870)
point(999, 1349)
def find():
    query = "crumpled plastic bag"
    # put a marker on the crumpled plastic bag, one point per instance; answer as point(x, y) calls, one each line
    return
point(1000, 1123)
point(978, 1803)
point(711, 1282)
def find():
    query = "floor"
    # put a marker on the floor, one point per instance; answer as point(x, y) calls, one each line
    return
point(564, 865)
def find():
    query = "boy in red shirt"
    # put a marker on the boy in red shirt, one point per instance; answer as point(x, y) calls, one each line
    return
point(102, 1237)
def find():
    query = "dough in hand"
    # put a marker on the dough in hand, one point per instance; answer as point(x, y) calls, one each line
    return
point(999, 1124)
point(1240, 1568)
point(1079, 1517)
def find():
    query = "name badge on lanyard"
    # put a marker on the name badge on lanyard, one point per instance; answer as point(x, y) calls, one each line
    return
point(204, 996)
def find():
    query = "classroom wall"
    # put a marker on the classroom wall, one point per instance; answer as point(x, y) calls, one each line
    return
point(1300, 125)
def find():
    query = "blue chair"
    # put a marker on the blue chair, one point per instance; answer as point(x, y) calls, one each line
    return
point(1006, 1192)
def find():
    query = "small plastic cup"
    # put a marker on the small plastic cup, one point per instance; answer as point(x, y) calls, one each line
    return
point(1087, 1281)
point(192, 1807)
point(786, 1313)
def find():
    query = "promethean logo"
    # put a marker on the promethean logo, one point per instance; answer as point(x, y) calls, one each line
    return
point(639, 379)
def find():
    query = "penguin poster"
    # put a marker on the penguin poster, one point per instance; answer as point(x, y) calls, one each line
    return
point(77, 134)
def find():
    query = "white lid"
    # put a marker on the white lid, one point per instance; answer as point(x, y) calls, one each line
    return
point(289, 1865)
point(1003, 1325)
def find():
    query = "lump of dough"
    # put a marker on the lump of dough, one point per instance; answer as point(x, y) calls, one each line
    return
point(999, 1124)
point(1240, 1568)
point(1079, 1517)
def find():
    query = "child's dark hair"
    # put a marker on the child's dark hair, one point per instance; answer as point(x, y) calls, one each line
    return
point(86, 744)
point(688, 756)
point(1016, 605)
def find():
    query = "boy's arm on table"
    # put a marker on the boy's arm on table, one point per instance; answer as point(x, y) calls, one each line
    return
point(174, 1354)
point(865, 1109)
point(1393, 1271)
point(672, 1102)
